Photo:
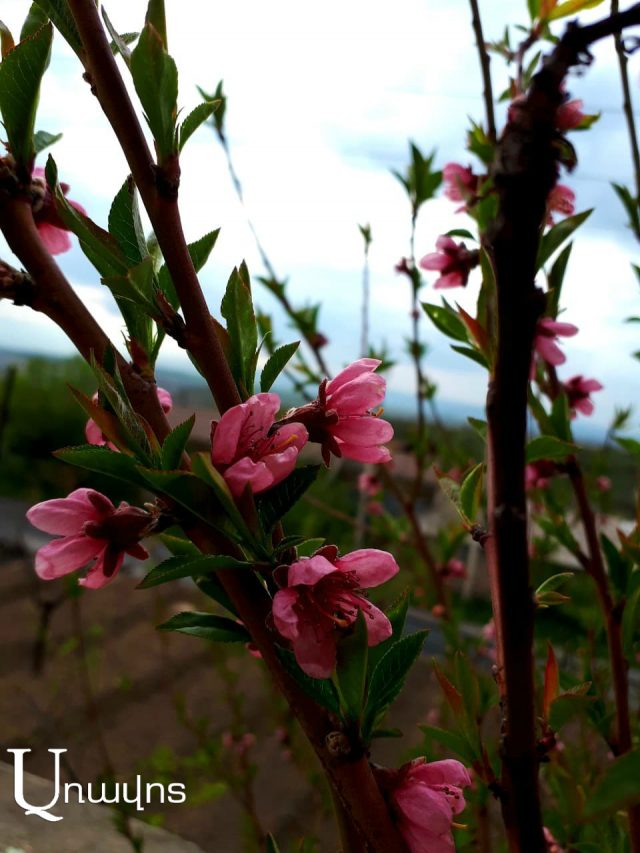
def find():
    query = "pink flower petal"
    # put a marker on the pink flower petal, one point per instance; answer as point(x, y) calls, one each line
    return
point(96, 577)
point(434, 261)
point(452, 279)
point(56, 240)
point(64, 516)
point(378, 626)
point(358, 395)
point(315, 649)
point(246, 471)
point(371, 566)
point(355, 369)
point(285, 615)
point(309, 571)
point(372, 455)
point(363, 430)
point(62, 556)
point(227, 435)
point(549, 350)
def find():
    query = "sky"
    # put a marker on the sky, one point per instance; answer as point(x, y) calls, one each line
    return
point(322, 102)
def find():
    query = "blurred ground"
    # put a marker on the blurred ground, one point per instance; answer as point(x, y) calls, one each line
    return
point(139, 678)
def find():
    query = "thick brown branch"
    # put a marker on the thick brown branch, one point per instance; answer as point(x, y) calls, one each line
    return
point(108, 85)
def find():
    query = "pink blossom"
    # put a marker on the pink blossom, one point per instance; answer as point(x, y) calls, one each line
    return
point(424, 800)
point(537, 474)
point(343, 419)
point(603, 484)
point(545, 342)
point(53, 232)
point(323, 594)
point(552, 844)
point(569, 115)
point(578, 390)
point(248, 451)
point(460, 183)
point(369, 484)
point(452, 260)
point(375, 508)
point(92, 529)
point(94, 434)
point(453, 569)
point(561, 200)
point(489, 639)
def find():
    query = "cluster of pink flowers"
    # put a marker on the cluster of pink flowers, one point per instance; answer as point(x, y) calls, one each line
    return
point(249, 450)
point(453, 261)
point(578, 391)
point(53, 232)
point(538, 474)
point(560, 200)
point(93, 531)
point(344, 419)
point(424, 798)
point(546, 340)
point(321, 595)
point(461, 184)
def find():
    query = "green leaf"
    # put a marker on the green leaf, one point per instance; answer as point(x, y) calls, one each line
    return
point(471, 491)
point(21, 72)
point(42, 140)
point(204, 469)
point(397, 616)
point(272, 846)
point(237, 309)
point(35, 19)
point(199, 252)
point(120, 42)
point(631, 621)
point(193, 121)
point(454, 742)
point(534, 8)
point(60, 16)
point(630, 204)
point(321, 690)
point(155, 78)
point(351, 669)
point(6, 40)
point(175, 443)
point(102, 461)
point(219, 629)
point(191, 493)
point(157, 18)
point(446, 321)
point(389, 677)
point(179, 546)
point(556, 236)
point(631, 445)
point(125, 224)
point(556, 279)
point(473, 354)
point(549, 447)
point(276, 502)
point(619, 567)
point(618, 786)
point(479, 426)
point(276, 364)
point(560, 418)
point(189, 567)
point(100, 247)
point(570, 7)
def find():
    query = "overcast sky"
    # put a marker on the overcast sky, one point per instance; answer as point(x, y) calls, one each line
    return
point(322, 102)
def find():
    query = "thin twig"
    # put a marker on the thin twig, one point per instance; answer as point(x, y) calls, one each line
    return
point(627, 105)
point(485, 65)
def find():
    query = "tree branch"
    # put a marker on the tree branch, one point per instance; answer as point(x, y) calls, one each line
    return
point(162, 206)
point(485, 66)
